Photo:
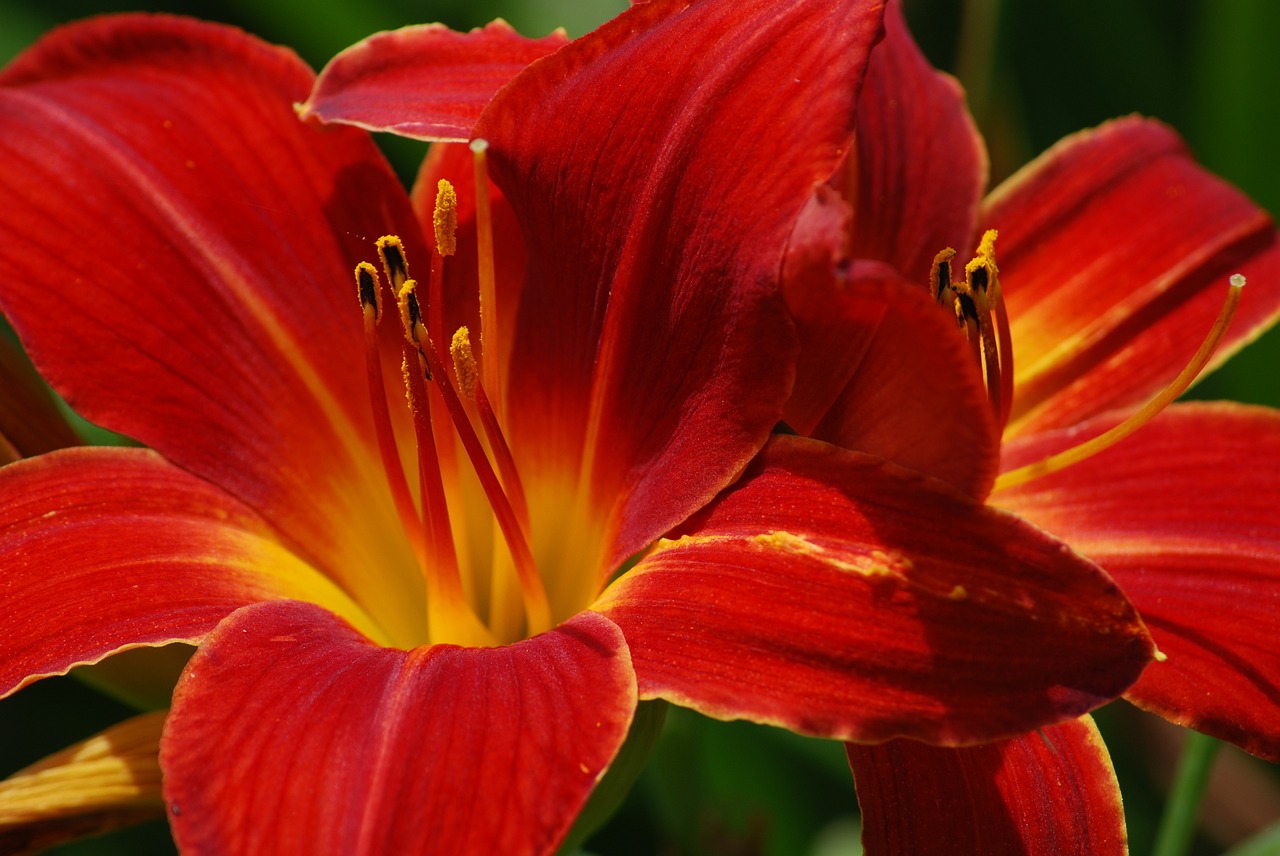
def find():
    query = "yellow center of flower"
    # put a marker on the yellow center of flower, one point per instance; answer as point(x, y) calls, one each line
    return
point(469, 523)
point(979, 309)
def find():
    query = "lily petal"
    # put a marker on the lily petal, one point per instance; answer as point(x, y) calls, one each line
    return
point(216, 319)
point(1052, 793)
point(883, 370)
point(920, 165)
point(1184, 517)
point(107, 549)
point(446, 749)
point(659, 215)
point(1114, 251)
point(103, 783)
point(858, 601)
point(424, 81)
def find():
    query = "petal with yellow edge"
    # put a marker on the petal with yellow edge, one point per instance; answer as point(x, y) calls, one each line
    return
point(1184, 517)
point(859, 601)
point(178, 262)
point(1114, 249)
point(424, 81)
point(107, 781)
point(440, 750)
point(1050, 793)
point(109, 549)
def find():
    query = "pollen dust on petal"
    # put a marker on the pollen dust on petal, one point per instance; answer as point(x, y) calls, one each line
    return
point(877, 563)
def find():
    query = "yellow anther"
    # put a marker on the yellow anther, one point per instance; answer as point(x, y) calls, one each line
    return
point(394, 263)
point(369, 291)
point(411, 314)
point(984, 259)
point(464, 363)
point(445, 218)
point(940, 276)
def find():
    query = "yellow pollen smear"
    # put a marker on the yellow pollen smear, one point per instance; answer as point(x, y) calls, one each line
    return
point(445, 218)
point(878, 564)
point(1163, 399)
point(464, 363)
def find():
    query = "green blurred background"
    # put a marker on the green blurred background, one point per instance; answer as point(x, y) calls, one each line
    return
point(1036, 71)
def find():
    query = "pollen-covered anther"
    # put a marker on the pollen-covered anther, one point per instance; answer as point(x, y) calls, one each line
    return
point(369, 291)
point(445, 218)
point(394, 263)
point(464, 363)
point(979, 310)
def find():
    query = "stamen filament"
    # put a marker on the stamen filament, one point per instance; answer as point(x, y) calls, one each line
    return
point(1108, 438)
point(1006, 356)
point(371, 301)
point(469, 384)
point(537, 607)
point(488, 280)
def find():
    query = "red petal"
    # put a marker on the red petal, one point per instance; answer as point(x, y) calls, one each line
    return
point(179, 259)
point(883, 370)
point(657, 166)
point(107, 549)
point(344, 747)
point(1114, 251)
point(834, 595)
point(920, 165)
point(1184, 517)
point(1047, 794)
point(425, 81)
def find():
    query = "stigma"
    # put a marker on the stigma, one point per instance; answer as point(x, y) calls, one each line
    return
point(1147, 412)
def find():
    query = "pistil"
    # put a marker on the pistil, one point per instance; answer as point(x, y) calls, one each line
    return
point(488, 280)
point(1109, 438)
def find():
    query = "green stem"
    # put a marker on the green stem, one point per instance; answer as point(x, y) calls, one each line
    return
point(1178, 825)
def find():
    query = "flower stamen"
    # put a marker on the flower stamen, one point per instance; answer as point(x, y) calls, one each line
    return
point(537, 608)
point(370, 293)
point(979, 309)
point(1163, 399)
point(471, 387)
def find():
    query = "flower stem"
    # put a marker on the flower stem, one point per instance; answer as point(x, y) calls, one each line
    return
point(1178, 825)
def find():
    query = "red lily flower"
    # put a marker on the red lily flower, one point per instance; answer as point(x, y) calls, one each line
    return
point(1114, 254)
point(451, 670)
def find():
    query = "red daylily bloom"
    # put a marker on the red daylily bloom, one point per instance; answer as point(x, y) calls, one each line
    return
point(451, 670)
point(1114, 253)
